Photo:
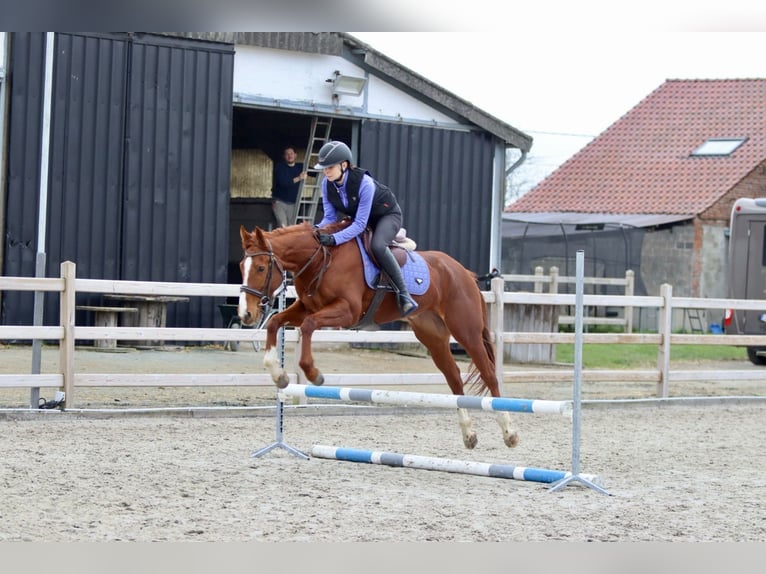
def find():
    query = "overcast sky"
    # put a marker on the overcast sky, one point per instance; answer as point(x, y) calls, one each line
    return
point(564, 88)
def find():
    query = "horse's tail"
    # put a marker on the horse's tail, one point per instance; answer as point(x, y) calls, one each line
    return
point(474, 381)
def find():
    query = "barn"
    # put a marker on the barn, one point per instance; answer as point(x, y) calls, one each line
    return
point(138, 156)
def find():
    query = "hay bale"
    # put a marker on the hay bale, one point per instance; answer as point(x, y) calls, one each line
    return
point(251, 173)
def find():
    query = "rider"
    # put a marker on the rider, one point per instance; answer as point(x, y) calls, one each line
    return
point(349, 191)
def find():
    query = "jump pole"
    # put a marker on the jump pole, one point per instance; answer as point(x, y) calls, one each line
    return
point(432, 400)
point(280, 407)
point(443, 464)
point(558, 478)
point(575, 475)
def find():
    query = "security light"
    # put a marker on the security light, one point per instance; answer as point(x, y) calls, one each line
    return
point(347, 85)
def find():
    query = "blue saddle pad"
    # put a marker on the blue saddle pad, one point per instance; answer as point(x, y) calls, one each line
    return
point(415, 271)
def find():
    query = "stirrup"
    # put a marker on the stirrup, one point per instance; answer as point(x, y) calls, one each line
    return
point(407, 305)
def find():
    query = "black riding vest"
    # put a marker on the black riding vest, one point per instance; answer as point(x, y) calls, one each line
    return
point(383, 202)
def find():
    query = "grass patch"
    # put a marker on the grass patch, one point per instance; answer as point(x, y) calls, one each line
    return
point(629, 356)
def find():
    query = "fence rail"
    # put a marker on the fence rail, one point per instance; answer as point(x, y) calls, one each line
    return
point(553, 280)
point(67, 333)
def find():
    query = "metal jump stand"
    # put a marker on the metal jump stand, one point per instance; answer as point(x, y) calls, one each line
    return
point(575, 475)
point(280, 406)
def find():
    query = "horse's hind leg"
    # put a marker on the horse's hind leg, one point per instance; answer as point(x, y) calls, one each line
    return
point(432, 332)
point(470, 440)
point(480, 349)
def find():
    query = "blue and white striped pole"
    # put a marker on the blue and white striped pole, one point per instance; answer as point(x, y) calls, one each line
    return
point(430, 399)
point(443, 464)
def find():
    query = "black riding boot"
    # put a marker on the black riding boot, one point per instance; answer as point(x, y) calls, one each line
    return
point(390, 267)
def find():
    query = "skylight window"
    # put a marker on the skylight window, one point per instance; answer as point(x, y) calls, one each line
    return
point(719, 147)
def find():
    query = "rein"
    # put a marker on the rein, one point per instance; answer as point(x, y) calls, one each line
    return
point(318, 277)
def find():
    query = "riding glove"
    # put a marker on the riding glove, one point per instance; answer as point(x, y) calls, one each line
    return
point(326, 239)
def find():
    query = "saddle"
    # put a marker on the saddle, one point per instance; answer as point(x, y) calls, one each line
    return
point(399, 246)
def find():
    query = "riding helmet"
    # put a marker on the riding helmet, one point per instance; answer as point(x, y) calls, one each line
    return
point(333, 153)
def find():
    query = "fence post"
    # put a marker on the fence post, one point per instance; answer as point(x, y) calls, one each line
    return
point(497, 316)
point(629, 286)
point(554, 287)
point(538, 283)
point(66, 320)
point(664, 326)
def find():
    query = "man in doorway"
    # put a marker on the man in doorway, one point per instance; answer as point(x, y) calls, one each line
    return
point(288, 175)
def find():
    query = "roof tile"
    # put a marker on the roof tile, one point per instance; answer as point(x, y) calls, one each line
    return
point(642, 163)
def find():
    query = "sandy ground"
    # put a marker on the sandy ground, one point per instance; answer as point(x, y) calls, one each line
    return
point(674, 472)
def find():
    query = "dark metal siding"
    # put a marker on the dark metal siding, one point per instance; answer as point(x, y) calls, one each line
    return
point(443, 180)
point(25, 80)
point(139, 164)
point(87, 134)
point(177, 168)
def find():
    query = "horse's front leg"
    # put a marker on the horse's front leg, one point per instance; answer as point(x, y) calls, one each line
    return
point(294, 315)
point(336, 314)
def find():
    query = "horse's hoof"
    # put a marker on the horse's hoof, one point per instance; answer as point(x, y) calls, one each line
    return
point(470, 441)
point(319, 380)
point(511, 440)
point(282, 380)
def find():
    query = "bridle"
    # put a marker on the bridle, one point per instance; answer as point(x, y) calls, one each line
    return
point(266, 299)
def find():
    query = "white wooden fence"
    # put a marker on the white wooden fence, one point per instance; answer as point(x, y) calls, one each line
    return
point(553, 281)
point(67, 333)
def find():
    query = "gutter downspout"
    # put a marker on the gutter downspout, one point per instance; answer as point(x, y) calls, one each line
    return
point(42, 217)
point(498, 208)
point(5, 38)
point(517, 164)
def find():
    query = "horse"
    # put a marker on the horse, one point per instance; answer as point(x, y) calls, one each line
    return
point(332, 292)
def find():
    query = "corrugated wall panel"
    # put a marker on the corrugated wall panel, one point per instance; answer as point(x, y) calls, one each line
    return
point(87, 135)
point(139, 164)
point(25, 79)
point(177, 168)
point(443, 180)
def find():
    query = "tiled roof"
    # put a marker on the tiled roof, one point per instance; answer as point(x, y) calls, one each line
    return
point(642, 163)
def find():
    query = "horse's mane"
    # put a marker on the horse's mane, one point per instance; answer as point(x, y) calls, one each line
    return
point(295, 231)
point(297, 228)
point(305, 227)
point(337, 226)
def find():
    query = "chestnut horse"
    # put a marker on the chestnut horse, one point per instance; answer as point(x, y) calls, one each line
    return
point(332, 292)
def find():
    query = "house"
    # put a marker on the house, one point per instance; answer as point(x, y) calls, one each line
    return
point(652, 193)
point(161, 145)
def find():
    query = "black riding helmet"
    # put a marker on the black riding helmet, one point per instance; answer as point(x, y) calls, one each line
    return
point(333, 153)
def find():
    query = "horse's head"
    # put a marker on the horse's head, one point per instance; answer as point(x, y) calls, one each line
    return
point(261, 276)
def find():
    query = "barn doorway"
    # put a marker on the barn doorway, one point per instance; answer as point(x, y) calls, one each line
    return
point(258, 138)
